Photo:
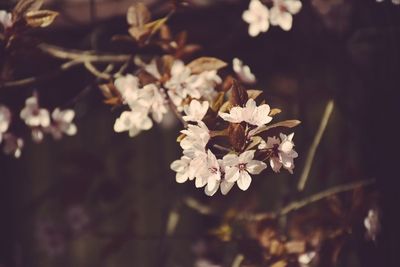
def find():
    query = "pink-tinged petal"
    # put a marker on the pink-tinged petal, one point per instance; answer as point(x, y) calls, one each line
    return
point(246, 156)
point(211, 184)
point(255, 166)
point(147, 123)
point(274, 15)
point(181, 177)
point(226, 187)
point(285, 21)
point(230, 160)
point(200, 182)
point(244, 180)
point(232, 174)
point(71, 130)
point(293, 6)
point(210, 191)
point(276, 165)
point(254, 30)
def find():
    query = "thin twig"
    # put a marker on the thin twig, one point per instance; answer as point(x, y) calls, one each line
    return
point(237, 262)
point(314, 145)
point(92, 69)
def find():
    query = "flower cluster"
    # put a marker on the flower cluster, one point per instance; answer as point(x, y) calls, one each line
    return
point(39, 121)
point(223, 144)
point(259, 17)
point(5, 19)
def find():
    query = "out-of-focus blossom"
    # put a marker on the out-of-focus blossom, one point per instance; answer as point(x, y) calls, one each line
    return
point(243, 71)
point(51, 240)
point(205, 263)
point(306, 259)
point(282, 11)
point(396, 2)
point(128, 86)
point(151, 68)
point(239, 168)
point(12, 145)
point(250, 113)
point(62, 123)
point(5, 120)
point(257, 16)
point(133, 121)
point(33, 115)
point(195, 111)
point(77, 218)
point(372, 224)
point(155, 101)
point(282, 152)
point(195, 134)
point(5, 19)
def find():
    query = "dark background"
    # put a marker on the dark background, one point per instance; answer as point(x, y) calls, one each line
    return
point(342, 50)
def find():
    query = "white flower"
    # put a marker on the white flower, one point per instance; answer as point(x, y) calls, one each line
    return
point(180, 85)
point(5, 120)
point(33, 115)
point(195, 111)
point(151, 68)
point(13, 145)
point(62, 123)
point(152, 98)
point(211, 173)
point(257, 16)
point(128, 86)
point(243, 71)
point(251, 114)
point(5, 19)
point(239, 168)
point(283, 153)
point(282, 11)
point(221, 183)
point(306, 258)
point(195, 134)
point(205, 84)
point(372, 224)
point(133, 121)
point(181, 167)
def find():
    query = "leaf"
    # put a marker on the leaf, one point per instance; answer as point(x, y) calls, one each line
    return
point(206, 64)
point(40, 18)
point(156, 25)
point(287, 124)
point(217, 102)
point(225, 107)
point(274, 111)
point(138, 32)
point(219, 133)
point(255, 140)
point(239, 95)
point(237, 136)
point(138, 15)
point(180, 138)
point(252, 93)
point(25, 6)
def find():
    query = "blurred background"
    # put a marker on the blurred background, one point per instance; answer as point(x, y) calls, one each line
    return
point(103, 199)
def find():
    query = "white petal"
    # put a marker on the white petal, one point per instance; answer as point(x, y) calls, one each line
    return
point(231, 174)
point(226, 187)
point(255, 166)
point(244, 180)
point(246, 156)
point(293, 6)
point(210, 191)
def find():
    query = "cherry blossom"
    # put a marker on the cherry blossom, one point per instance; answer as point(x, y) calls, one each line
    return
point(239, 168)
point(33, 115)
point(62, 123)
point(195, 111)
point(221, 183)
point(155, 101)
point(257, 16)
point(243, 71)
point(251, 114)
point(211, 173)
point(133, 121)
point(282, 152)
point(128, 86)
point(5, 120)
point(5, 19)
point(195, 135)
point(282, 11)
point(372, 224)
point(12, 145)
point(181, 167)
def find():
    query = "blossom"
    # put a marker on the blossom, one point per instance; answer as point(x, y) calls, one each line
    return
point(151, 68)
point(195, 111)
point(5, 120)
point(282, 150)
point(33, 115)
point(282, 11)
point(181, 167)
point(372, 224)
point(257, 16)
point(133, 121)
point(239, 168)
point(128, 87)
point(217, 170)
point(250, 113)
point(5, 19)
point(243, 71)
point(77, 218)
point(306, 258)
point(195, 135)
point(155, 101)
point(13, 145)
point(180, 85)
point(62, 123)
